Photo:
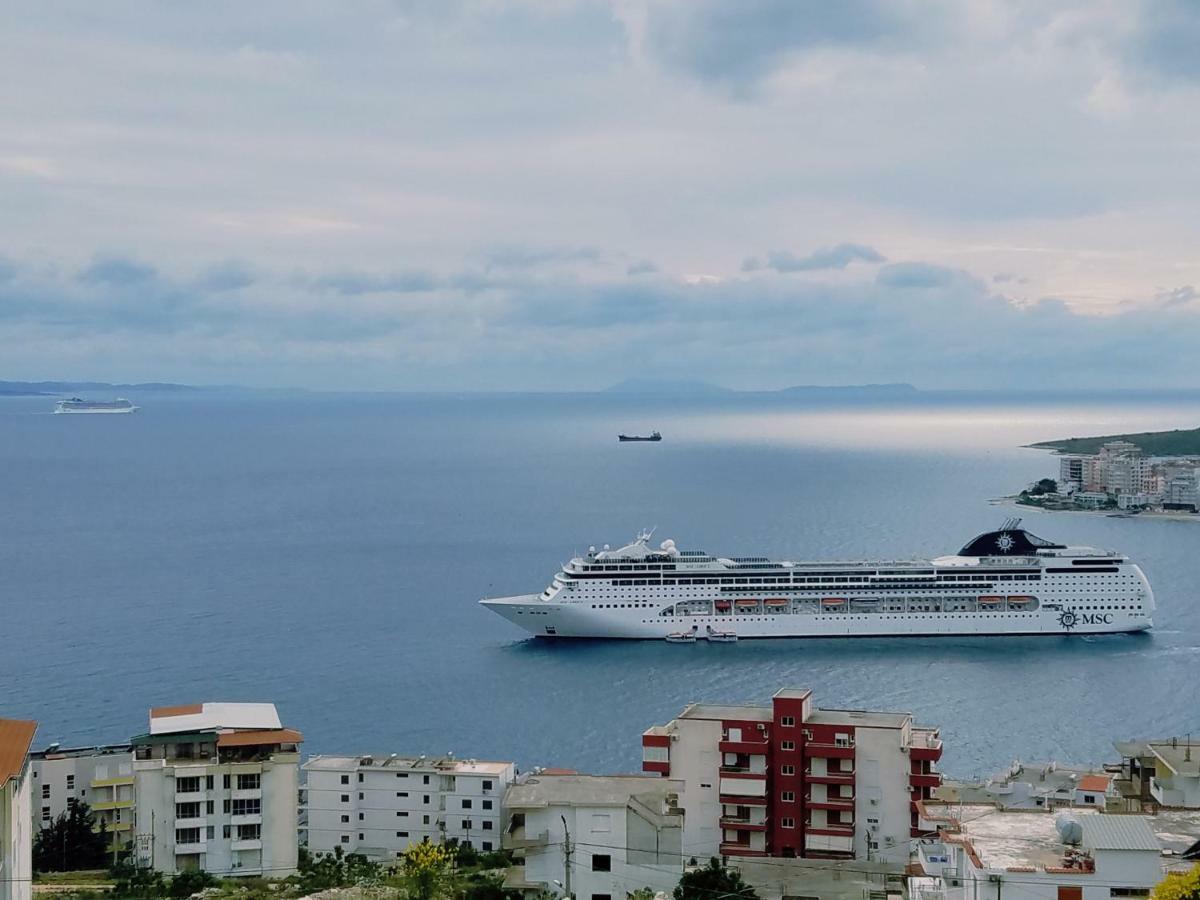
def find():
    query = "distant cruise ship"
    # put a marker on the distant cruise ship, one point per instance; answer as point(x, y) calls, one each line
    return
point(76, 405)
point(1002, 582)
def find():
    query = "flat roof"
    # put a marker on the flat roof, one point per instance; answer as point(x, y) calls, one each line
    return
point(443, 765)
point(69, 752)
point(858, 718)
point(16, 735)
point(212, 716)
point(588, 790)
point(1180, 757)
point(716, 711)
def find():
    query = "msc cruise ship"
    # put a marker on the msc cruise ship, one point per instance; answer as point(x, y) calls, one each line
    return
point(1002, 582)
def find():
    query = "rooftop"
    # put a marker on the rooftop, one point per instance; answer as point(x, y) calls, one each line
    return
point(447, 765)
point(589, 790)
point(1180, 757)
point(859, 718)
point(1119, 833)
point(213, 716)
point(1094, 783)
point(16, 735)
point(715, 711)
point(53, 751)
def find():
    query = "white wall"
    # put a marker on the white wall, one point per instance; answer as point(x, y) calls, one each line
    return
point(16, 839)
point(696, 762)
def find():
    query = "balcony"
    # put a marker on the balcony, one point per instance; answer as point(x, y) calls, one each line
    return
point(830, 777)
point(519, 840)
point(732, 849)
point(831, 802)
point(246, 794)
point(751, 748)
point(829, 751)
point(829, 829)
point(738, 824)
point(192, 822)
point(249, 844)
point(743, 799)
point(252, 819)
point(925, 780)
point(195, 847)
point(743, 771)
point(112, 804)
point(925, 746)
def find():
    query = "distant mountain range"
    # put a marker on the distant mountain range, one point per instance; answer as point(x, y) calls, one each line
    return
point(693, 388)
point(51, 388)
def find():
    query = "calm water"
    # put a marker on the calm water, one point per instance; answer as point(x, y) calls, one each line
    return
point(326, 553)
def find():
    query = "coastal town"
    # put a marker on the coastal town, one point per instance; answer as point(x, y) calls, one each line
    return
point(782, 799)
point(1119, 476)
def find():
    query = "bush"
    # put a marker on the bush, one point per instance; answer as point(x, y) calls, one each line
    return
point(187, 883)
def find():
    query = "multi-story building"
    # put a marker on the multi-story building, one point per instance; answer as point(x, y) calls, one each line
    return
point(16, 815)
point(1182, 491)
point(1109, 856)
point(1160, 773)
point(101, 777)
point(1071, 472)
point(1124, 469)
point(216, 788)
point(791, 779)
point(594, 837)
point(378, 805)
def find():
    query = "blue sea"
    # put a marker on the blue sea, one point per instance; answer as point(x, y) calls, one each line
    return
point(326, 552)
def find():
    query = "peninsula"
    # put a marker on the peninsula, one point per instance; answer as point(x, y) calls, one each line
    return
point(1180, 442)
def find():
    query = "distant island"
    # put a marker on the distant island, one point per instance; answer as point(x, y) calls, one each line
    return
point(1180, 442)
point(696, 388)
point(51, 388)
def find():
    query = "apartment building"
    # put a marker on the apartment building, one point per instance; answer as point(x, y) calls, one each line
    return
point(594, 837)
point(101, 777)
point(793, 780)
point(216, 788)
point(16, 818)
point(1161, 772)
point(378, 805)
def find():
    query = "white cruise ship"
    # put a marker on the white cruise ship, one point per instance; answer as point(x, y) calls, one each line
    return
point(1003, 582)
point(76, 405)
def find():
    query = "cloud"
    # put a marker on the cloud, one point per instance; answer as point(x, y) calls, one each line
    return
point(916, 321)
point(738, 44)
point(838, 257)
point(117, 270)
point(641, 267)
point(1178, 296)
point(1165, 40)
point(1009, 278)
point(517, 257)
point(230, 275)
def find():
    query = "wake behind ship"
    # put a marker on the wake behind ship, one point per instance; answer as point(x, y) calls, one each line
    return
point(1005, 582)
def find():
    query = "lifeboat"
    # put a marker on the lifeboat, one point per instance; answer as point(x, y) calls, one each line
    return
point(722, 605)
point(1019, 600)
point(775, 603)
point(747, 604)
point(833, 601)
point(988, 600)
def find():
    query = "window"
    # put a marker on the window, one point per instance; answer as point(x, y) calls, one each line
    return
point(45, 792)
point(787, 770)
point(225, 807)
point(788, 745)
point(401, 812)
point(189, 785)
point(251, 832)
point(487, 804)
point(788, 797)
point(187, 810)
point(345, 838)
point(424, 779)
point(360, 777)
point(466, 824)
point(788, 721)
point(1070, 892)
point(210, 807)
point(187, 835)
point(345, 818)
point(345, 779)
point(601, 862)
point(360, 795)
point(361, 836)
point(345, 798)
point(401, 793)
point(1128, 892)
point(249, 782)
point(487, 846)
point(226, 830)
point(208, 782)
point(487, 784)
point(70, 782)
point(45, 813)
point(425, 799)
point(487, 825)
point(466, 804)
point(401, 834)
point(210, 831)
point(247, 807)
point(841, 740)
point(225, 782)
point(601, 896)
point(788, 822)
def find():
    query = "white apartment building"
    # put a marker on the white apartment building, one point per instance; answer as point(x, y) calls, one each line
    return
point(101, 777)
point(1115, 856)
point(16, 819)
point(594, 837)
point(378, 805)
point(794, 780)
point(216, 788)
point(1182, 491)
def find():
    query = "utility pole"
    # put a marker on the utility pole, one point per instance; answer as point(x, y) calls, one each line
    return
point(566, 857)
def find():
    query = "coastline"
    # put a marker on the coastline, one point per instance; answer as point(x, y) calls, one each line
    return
point(1110, 513)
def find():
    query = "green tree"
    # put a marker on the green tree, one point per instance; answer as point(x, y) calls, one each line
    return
point(71, 842)
point(137, 884)
point(713, 882)
point(187, 883)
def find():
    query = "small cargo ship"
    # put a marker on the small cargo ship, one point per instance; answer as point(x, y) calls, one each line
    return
point(653, 436)
point(78, 405)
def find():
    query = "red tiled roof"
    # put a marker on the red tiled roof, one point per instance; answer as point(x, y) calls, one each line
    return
point(1094, 783)
point(16, 736)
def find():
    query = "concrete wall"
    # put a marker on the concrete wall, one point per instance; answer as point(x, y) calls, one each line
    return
point(16, 839)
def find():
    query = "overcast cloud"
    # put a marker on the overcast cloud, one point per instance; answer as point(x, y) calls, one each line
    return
point(551, 194)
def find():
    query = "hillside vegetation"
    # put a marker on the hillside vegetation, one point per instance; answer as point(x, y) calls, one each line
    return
point(1180, 442)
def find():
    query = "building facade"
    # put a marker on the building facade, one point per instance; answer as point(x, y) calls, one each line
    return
point(594, 837)
point(16, 814)
point(216, 788)
point(378, 805)
point(101, 777)
point(793, 780)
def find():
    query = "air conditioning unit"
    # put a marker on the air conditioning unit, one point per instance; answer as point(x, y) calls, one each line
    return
point(874, 801)
point(762, 726)
point(890, 841)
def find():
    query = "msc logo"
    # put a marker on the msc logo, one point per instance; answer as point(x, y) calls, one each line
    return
point(1069, 620)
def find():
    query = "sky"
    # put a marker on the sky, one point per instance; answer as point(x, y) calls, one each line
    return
point(562, 194)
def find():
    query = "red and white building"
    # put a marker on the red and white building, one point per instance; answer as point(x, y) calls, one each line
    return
point(794, 780)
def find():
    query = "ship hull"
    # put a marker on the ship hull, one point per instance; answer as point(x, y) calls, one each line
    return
point(87, 412)
point(567, 620)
